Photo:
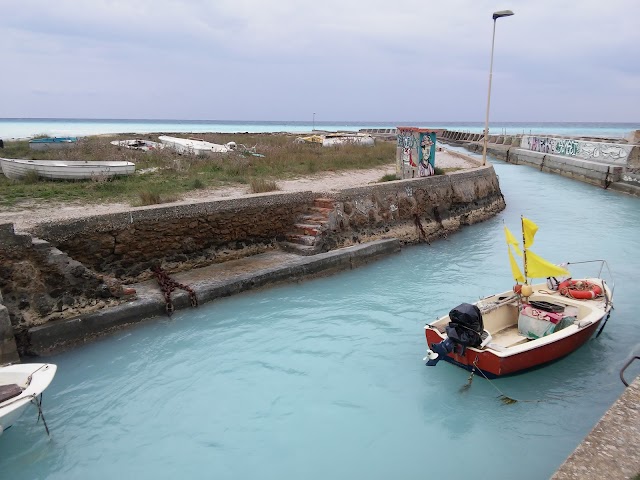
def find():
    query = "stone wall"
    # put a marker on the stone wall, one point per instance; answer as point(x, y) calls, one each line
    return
point(39, 283)
point(595, 151)
point(78, 267)
point(128, 244)
point(400, 209)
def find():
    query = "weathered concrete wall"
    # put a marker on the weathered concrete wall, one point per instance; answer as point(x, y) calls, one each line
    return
point(78, 268)
point(594, 151)
point(40, 283)
point(128, 244)
point(398, 209)
point(8, 348)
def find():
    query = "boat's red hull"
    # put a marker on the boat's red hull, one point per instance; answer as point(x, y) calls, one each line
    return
point(495, 366)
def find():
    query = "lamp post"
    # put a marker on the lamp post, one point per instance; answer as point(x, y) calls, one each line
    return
point(314, 122)
point(496, 16)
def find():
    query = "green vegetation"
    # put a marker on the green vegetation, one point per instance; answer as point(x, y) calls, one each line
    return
point(389, 177)
point(163, 174)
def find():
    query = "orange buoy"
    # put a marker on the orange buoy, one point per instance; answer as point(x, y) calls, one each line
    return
point(580, 289)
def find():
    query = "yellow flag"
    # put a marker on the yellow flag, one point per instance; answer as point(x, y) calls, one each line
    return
point(529, 230)
point(538, 267)
point(515, 270)
point(511, 240)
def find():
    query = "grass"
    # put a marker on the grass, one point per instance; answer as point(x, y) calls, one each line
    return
point(170, 175)
point(389, 177)
point(260, 185)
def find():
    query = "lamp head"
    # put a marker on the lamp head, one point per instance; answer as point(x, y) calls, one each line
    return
point(502, 13)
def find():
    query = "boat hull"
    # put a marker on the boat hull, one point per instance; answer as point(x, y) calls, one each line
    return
point(494, 366)
point(34, 378)
point(17, 169)
point(188, 146)
point(52, 143)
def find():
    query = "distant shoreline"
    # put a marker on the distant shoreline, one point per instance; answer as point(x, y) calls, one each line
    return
point(26, 128)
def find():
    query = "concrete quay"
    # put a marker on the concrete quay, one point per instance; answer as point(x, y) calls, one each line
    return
point(608, 163)
point(209, 283)
point(611, 448)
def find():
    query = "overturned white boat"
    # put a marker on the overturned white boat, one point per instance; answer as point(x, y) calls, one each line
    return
point(333, 140)
point(138, 144)
point(21, 385)
point(195, 146)
point(17, 169)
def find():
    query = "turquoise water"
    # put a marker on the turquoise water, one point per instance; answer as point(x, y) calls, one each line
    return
point(324, 378)
point(23, 128)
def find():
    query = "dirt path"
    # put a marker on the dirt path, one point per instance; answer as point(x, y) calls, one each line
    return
point(26, 215)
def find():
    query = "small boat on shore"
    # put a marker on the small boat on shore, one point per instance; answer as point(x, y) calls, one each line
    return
point(195, 146)
point(20, 385)
point(48, 143)
point(527, 327)
point(17, 169)
point(333, 140)
point(138, 144)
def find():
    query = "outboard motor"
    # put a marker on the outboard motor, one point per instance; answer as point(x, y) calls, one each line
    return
point(464, 329)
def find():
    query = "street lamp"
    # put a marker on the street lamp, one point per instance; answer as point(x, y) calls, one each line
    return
point(496, 16)
point(314, 122)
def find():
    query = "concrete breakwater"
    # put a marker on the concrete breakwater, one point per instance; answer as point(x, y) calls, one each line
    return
point(75, 272)
point(605, 162)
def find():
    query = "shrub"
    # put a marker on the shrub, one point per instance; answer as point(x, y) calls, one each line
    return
point(389, 177)
point(154, 197)
point(197, 183)
point(260, 185)
point(31, 177)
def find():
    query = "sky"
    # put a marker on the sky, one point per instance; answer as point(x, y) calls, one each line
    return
point(355, 60)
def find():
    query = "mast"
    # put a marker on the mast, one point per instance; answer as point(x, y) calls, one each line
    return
point(524, 251)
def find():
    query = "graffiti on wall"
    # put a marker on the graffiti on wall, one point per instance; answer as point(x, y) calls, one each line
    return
point(407, 142)
point(606, 152)
point(416, 153)
point(426, 161)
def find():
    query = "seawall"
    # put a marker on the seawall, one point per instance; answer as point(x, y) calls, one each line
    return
point(607, 163)
point(76, 272)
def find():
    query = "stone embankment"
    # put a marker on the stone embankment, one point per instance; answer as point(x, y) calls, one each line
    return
point(605, 162)
point(68, 270)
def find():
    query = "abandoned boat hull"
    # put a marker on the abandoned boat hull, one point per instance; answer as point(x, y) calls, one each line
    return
point(17, 169)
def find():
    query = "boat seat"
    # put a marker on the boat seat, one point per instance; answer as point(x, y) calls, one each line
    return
point(9, 391)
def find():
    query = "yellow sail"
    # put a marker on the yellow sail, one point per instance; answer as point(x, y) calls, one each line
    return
point(515, 270)
point(538, 267)
point(529, 230)
point(511, 240)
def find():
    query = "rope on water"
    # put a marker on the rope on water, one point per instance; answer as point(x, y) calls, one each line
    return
point(38, 403)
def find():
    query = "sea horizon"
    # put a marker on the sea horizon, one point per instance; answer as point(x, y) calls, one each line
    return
point(24, 128)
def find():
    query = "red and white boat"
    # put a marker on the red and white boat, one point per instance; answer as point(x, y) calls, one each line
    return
point(528, 326)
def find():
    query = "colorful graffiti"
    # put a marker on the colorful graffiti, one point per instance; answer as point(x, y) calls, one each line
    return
point(427, 154)
point(407, 142)
point(606, 152)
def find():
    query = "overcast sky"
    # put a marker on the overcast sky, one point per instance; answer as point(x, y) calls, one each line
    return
point(360, 60)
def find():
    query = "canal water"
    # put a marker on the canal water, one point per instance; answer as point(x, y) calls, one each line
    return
point(324, 378)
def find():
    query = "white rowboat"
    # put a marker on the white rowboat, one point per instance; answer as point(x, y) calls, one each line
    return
point(64, 169)
point(137, 144)
point(195, 146)
point(20, 385)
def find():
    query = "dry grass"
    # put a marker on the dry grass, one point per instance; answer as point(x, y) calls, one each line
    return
point(170, 175)
point(260, 185)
